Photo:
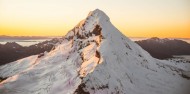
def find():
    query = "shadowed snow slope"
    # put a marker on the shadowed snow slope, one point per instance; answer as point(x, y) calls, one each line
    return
point(95, 58)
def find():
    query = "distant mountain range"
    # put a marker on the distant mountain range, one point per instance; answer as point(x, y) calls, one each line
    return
point(158, 48)
point(4, 37)
point(165, 48)
point(12, 51)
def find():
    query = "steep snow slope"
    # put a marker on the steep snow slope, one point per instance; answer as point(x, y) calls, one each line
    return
point(95, 58)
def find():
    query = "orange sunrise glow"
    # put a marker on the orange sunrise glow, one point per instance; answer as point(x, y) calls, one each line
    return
point(134, 18)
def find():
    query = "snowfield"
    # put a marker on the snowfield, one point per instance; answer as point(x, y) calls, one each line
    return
point(95, 58)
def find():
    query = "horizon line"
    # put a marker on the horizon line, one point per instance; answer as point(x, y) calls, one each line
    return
point(64, 35)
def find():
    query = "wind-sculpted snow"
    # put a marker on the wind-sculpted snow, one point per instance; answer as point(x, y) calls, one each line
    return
point(95, 58)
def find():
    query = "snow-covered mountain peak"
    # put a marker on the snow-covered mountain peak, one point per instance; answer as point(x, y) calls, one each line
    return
point(98, 14)
point(94, 58)
point(90, 26)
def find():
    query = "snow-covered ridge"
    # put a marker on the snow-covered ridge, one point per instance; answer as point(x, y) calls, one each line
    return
point(59, 69)
point(94, 58)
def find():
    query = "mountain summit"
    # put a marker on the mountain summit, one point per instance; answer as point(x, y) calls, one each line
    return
point(95, 58)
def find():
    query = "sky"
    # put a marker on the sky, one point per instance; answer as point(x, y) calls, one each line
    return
point(134, 18)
